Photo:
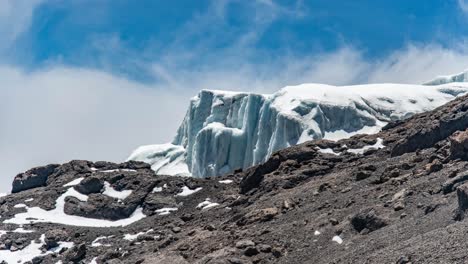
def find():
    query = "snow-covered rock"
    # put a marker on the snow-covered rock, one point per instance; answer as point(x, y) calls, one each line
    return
point(224, 131)
point(460, 77)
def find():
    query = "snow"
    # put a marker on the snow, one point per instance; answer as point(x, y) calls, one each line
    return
point(377, 145)
point(328, 151)
point(225, 131)
point(226, 181)
point(3, 194)
point(96, 242)
point(337, 239)
point(58, 216)
point(157, 189)
point(29, 200)
point(207, 204)
point(31, 251)
point(186, 191)
point(74, 182)
point(164, 159)
point(111, 192)
point(93, 261)
point(166, 210)
point(20, 205)
point(22, 230)
point(317, 233)
point(131, 237)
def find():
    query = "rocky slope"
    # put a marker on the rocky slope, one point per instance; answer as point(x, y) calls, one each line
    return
point(399, 196)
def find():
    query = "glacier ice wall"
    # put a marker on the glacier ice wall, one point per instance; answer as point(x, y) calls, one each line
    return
point(224, 131)
point(460, 77)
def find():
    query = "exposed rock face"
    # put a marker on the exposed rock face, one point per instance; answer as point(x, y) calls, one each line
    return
point(403, 201)
point(33, 178)
point(459, 145)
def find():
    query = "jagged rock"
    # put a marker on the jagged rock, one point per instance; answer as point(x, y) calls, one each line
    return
point(462, 195)
point(367, 219)
point(36, 177)
point(449, 185)
point(99, 206)
point(260, 215)
point(459, 145)
point(434, 166)
point(244, 244)
point(52, 237)
point(90, 185)
point(255, 175)
point(75, 254)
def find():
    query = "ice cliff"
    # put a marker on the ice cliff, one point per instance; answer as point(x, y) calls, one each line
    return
point(460, 77)
point(224, 131)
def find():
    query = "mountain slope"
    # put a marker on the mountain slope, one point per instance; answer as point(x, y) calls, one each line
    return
point(399, 196)
point(225, 131)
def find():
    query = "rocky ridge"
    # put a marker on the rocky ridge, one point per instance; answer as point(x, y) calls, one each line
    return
point(399, 196)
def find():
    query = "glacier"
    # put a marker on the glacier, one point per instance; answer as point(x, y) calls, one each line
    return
point(226, 131)
point(460, 77)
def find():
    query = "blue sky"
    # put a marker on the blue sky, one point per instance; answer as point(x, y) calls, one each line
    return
point(124, 37)
point(94, 79)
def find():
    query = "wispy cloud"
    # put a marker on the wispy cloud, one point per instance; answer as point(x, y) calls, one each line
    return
point(15, 18)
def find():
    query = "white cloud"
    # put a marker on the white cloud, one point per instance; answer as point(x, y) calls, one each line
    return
point(15, 18)
point(67, 113)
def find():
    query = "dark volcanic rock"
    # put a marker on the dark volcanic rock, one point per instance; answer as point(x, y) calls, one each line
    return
point(33, 178)
point(367, 219)
point(90, 185)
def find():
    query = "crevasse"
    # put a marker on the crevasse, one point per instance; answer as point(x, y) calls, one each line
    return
point(224, 131)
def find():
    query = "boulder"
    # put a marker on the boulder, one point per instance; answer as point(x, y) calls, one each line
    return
point(52, 237)
point(99, 206)
point(90, 185)
point(367, 219)
point(459, 145)
point(76, 254)
point(36, 177)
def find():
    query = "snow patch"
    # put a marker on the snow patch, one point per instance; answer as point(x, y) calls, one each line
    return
point(111, 192)
point(166, 210)
point(206, 204)
point(186, 191)
point(131, 237)
point(378, 145)
point(337, 239)
point(226, 181)
point(74, 182)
